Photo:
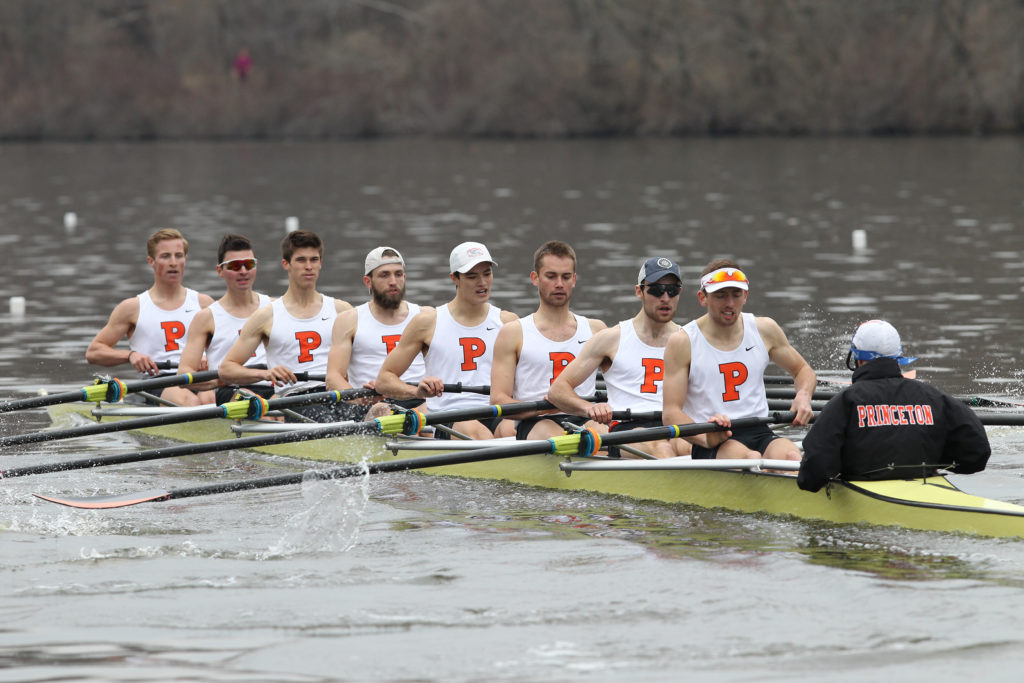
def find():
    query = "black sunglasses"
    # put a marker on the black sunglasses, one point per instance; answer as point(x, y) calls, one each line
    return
point(656, 290)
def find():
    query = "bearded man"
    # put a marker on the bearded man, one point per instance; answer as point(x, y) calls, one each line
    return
point(363, 337)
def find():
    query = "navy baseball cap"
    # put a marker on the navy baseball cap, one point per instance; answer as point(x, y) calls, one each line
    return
point(656, 268)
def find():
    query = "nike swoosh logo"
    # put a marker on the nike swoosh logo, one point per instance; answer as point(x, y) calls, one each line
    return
point(581, 341)
point(490, 328)
point(749, 347)
point(189, 310)
point(329, 317)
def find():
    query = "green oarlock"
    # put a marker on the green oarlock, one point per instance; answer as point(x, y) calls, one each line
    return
point(236, 410)
point(567, 444)
point(391, 424)
point(96, 392)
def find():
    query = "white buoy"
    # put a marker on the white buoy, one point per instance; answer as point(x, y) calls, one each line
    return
point(17, 305)
point(70, 221)
point(860, 239)
point(291, 224)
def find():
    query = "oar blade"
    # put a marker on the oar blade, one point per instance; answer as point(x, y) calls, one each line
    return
point(108, 502)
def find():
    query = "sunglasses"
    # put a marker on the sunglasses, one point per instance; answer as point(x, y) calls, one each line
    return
point(238, 264)
point(656, 290)
point(724, 275)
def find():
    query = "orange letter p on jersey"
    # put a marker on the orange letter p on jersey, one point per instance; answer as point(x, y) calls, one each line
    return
point(308, 343)
point(472, 348)
point(734, 375)
point(173, 331)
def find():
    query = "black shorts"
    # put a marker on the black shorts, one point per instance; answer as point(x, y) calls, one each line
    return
point(626, 425)
point(755, 438)
point(523, 427)
point(227, 394)
point(491, 423)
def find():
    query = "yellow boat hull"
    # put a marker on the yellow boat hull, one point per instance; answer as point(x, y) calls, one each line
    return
point(933, 504)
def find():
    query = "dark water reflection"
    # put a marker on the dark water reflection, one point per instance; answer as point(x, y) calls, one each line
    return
point(943, 220)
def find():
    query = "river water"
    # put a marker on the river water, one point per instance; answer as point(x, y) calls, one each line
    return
point(406, 577)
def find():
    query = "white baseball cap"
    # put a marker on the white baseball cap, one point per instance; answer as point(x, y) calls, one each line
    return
point(377, 258)
point(878, 339)
point(467, 255)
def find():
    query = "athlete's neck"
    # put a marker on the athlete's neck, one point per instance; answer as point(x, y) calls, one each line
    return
point(389, 316)
point(468, 313)
point(721, 336)
point(240, 299)
point(168, 295)
point(651, 331)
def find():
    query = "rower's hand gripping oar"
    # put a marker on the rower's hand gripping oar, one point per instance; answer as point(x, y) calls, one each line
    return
point(110, 391)
point(582, 443)
point(408, 423)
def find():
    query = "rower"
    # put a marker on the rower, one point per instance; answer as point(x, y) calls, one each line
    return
point(457, 343)
point(631, 358)
point(156, 321)
point(296, 329)
point(531, 352)
point(364, 336)
point(216, 328)
point(887, 426)
point(714, 371)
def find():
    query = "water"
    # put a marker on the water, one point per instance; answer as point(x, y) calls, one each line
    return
point(426, 578)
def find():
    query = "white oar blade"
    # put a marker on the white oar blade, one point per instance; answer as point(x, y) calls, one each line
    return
point(106, 502)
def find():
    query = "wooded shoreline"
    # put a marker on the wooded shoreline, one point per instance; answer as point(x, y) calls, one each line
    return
point(163, 69)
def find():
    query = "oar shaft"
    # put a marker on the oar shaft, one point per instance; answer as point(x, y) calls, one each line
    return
point(133, 386)
point(439, 460)
point(178, 416)
point(325, 432)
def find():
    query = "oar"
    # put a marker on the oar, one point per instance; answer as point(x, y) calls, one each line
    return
point(973, 401)
point(249, 408)
point(110, 391)
point(408, 423)
point(584, 443)
point(990, 419)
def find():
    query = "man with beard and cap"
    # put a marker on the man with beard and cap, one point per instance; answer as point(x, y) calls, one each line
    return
point(714, 371)
point(631, 358)
point(364, 336)
point(456, 340)
point(532, 351)
point(886, 426)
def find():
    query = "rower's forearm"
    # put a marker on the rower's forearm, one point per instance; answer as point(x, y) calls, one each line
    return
point(236, 373)
point(805, 382)
point(391, 385)
point(107, 356)
point(570, 402)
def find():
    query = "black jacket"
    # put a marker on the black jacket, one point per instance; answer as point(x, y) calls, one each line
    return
point(888, 427)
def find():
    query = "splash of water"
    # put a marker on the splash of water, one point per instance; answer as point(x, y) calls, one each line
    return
point(330, 519)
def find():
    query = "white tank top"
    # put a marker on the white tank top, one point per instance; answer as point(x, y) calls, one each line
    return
point(726, 382)
point(225, 332)
point(160, 334)
point(461, 354)
point(371, 344)
point(301, 345)
point(635, 377)
point(541, 360)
